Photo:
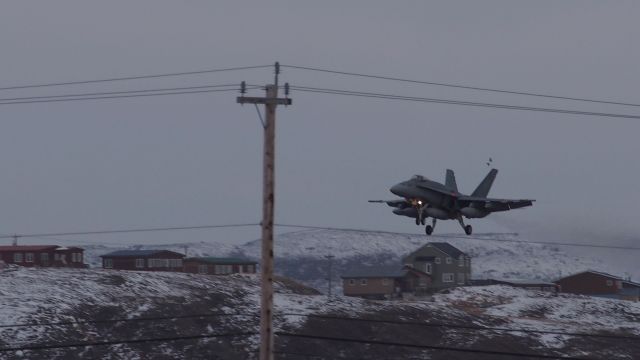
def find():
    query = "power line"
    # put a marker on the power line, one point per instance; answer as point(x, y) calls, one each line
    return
point(135, 77)
point(459, 86)
point(115, 97)
point(123, 231)
point(119, 342)
point(456, 102)
point(431, 347)
point(123, 320)
point(467, 327)
point(466, 237)
point(119, 92)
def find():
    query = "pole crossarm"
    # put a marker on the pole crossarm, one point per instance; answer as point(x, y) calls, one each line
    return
point(263, 100)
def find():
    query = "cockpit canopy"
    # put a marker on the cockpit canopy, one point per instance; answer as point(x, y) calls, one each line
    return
point(418, 178)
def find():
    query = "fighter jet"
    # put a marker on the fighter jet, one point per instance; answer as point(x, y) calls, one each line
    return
point(424, 198)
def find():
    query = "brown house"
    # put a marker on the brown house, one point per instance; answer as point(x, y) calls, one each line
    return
point(144, 260)
point(384, 282)
point(594, 283)
point(43, 255)
point(219, 266)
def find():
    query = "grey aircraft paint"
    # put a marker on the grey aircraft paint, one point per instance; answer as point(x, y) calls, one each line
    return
point(424, 198)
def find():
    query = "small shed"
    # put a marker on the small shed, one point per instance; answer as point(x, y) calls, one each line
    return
point(144, 260)
point(591, 283)
point(219, 265)
point(43, 255)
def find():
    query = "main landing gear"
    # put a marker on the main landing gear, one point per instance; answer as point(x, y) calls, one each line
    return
point(429, 228)
point(467, 228)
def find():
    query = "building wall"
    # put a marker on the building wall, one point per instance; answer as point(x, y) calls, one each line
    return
point(129, 262)
point(194, 267)
point(589, 283)
point(373, 286)
point(45, 258)
point(461, 274)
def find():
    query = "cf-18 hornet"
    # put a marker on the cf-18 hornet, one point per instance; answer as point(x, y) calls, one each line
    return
point(424, 198)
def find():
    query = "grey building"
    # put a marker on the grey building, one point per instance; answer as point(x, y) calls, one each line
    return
point(447, 265)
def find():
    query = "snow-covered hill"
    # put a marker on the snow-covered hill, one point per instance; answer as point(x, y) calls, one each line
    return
point(301, 254)
point(37, 295)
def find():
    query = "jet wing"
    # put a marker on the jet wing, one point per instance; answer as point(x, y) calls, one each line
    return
point(497, 204)
point(393, 203)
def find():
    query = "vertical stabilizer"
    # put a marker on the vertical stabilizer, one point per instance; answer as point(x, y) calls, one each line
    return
point(483, 189)
point(450, 181)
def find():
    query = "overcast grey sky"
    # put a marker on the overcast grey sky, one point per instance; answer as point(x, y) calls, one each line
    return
point(196, 159)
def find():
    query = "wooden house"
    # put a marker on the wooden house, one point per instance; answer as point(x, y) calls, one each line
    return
point(219, 266)
point(384, 282)
point(43, 255)
point(143, 260)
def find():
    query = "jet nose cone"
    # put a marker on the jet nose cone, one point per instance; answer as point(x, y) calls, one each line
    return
point(397, 189)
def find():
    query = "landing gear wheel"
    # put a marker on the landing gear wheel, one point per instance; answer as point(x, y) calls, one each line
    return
point(428, 229)
point(468, 229)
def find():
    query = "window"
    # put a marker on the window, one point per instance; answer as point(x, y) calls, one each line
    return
point(28, 257)
point(447, 277)
point(427, 268)
point(17, 257)
point(363, 281)
point(175, 263)
point(609, 282)
point(140, 263)
point(203, 269)
point(44, 257)
point(438, 261)
point(76, 257)
point(222, 269)
point(108, 263)
point(448, 260)
point(385, 282)
point(56, 257)
point(461, 261)
point(422, 281)
point(352, 282)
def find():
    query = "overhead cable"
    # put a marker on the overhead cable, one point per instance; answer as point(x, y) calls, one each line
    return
point(463, 237)
point(135, 77)
point(380, 77)
point(457, 102)
point(422, 346)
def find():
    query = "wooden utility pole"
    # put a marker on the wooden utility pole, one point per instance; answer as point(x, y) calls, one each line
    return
point(270, 101)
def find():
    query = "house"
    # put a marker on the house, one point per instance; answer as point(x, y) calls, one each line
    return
point(599, 284)
point(145, 260)
point(447, 265)
point(520, 283)
point(384, 282)
point(43, 255)
point(630, 291)
point(219, 266)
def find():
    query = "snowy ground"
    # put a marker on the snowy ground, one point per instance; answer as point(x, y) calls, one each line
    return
point(30, 295)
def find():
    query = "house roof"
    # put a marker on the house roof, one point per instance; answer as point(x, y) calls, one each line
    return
point(447, 248)
point(28, 247)
point(222, 261)
point(376, 271)
point(134, 253)
point(592, 272)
